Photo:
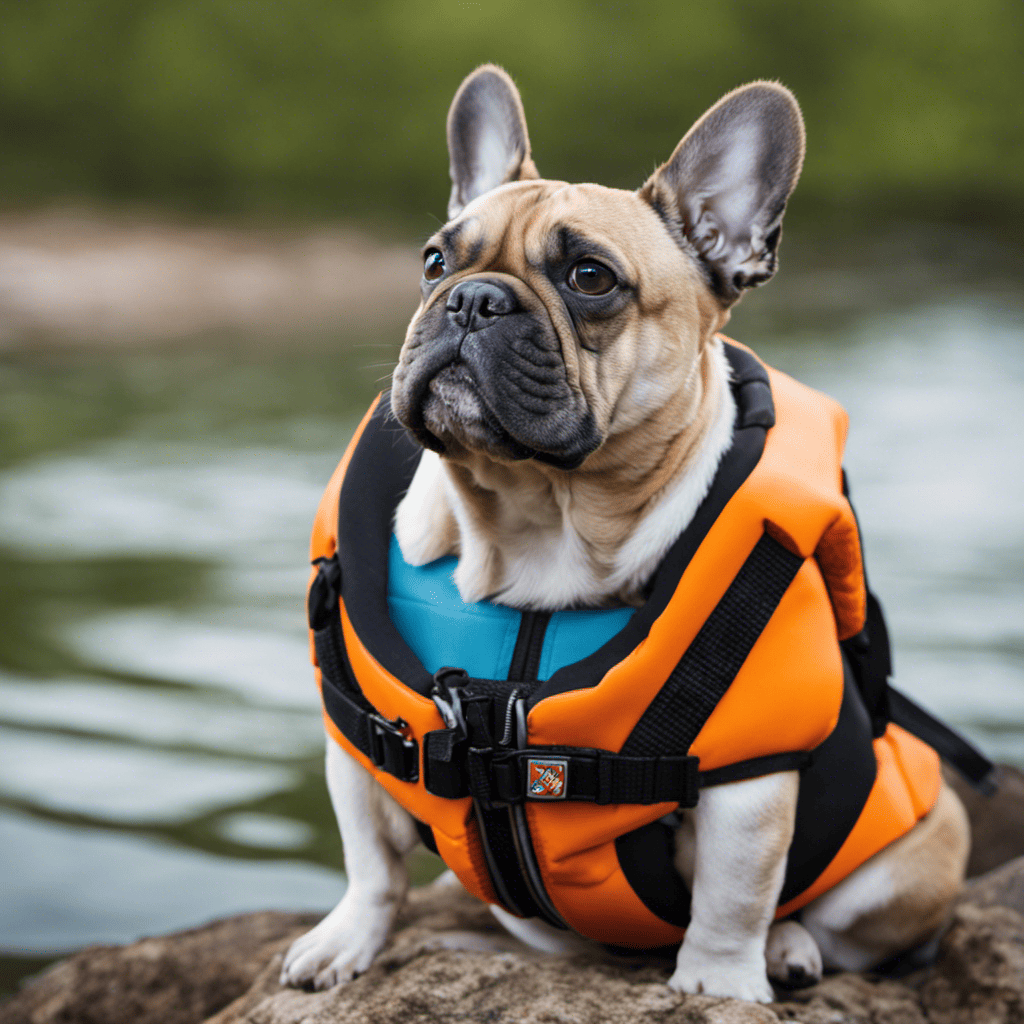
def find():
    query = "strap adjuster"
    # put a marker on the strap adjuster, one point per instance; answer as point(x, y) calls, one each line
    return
point(390, 750)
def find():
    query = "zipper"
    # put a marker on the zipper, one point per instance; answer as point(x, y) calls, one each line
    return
point(524, 844)
point(525, 663)
point(504, 830)
point(524, 668)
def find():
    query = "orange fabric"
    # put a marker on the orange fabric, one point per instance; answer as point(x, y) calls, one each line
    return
point(455, 832)
point(587, 885)
point(794, 487)
point(839, 557)
point(786, 696)
point(905, 790)
point(574, 844)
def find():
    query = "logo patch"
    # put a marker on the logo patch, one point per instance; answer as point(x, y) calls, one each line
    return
point(547, 778)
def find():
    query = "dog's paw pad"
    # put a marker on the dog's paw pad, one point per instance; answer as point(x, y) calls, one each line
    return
point(793, 957)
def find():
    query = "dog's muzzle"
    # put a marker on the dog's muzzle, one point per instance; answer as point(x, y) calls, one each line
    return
point(482, 371)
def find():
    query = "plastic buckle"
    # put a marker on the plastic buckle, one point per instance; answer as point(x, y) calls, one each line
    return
point(506, 778)
point(391, 750)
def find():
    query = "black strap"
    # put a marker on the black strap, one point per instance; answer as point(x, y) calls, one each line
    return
point(870, 658)
point(871, 662)
point(869, 655)
point(654, 765)
point(710, 664)
point(793, 760)
point(975, 767)
point(557, 773)
point(380, 739)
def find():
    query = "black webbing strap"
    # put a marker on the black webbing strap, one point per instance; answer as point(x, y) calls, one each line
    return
point(738, 771)
point(972, 764)
point(379, 738)
point(498, 776)
point(711, 662)
point(869, 655)
point(870, 659)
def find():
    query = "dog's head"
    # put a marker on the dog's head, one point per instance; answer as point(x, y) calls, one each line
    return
point(554, 315)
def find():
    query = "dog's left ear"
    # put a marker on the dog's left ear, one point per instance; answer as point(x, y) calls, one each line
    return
point(487, 140)
point(724, 189)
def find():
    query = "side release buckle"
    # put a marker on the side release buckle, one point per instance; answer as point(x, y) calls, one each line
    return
point(391, 750)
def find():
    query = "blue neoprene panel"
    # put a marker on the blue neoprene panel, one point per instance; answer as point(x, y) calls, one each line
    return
point(441, 629)
point(573, 635)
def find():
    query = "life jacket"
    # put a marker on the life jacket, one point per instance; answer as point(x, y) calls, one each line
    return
point(547, 759)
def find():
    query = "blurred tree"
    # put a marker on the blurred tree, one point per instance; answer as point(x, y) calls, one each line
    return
point(337, 107)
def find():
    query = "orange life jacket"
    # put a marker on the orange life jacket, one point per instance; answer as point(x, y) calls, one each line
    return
point(554, 797)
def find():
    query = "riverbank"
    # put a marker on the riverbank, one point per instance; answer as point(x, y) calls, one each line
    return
point(87, 278)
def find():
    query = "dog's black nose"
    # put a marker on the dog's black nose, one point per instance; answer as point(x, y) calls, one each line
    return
point(475, 304)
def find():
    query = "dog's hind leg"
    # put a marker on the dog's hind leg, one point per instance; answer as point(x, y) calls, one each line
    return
point(792, 955)
point(898, 898)
point(376, 834)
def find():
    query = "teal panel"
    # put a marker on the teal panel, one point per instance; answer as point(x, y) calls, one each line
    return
point(573, 635)
point(440, 628)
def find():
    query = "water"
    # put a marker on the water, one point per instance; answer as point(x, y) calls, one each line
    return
point(160, 740)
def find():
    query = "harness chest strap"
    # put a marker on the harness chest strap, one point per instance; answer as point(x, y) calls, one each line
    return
point(466, 759)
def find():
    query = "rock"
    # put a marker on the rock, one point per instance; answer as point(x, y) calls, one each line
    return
point(1002, 887)
point(997, 821)
point(226, 973)
point(449, 961)
point(852, 999)
point(979, 975)
point(175, 979)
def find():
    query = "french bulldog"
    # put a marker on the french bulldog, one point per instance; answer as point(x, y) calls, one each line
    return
point(565, 376)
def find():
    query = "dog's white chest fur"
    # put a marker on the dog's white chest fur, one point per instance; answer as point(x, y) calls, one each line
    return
point(549, 563)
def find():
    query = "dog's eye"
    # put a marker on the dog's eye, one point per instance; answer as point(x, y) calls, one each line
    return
point(433, 265)
point(591, 278)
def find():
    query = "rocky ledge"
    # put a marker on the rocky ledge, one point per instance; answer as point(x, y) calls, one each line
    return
point(448, 961)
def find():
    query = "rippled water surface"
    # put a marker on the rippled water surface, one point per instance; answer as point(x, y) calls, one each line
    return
point(160, 740)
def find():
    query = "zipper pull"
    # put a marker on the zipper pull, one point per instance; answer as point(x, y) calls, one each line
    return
point(507, 737)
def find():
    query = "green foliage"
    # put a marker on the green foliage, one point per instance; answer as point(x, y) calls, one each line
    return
point(337, 107)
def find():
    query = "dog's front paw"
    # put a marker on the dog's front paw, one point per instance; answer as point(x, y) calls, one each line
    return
point(794, 959)
point(699, 974)
point(341, 946)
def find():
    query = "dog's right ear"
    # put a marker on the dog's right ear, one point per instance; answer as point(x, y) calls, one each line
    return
point(723, 191)
point(487, 140)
